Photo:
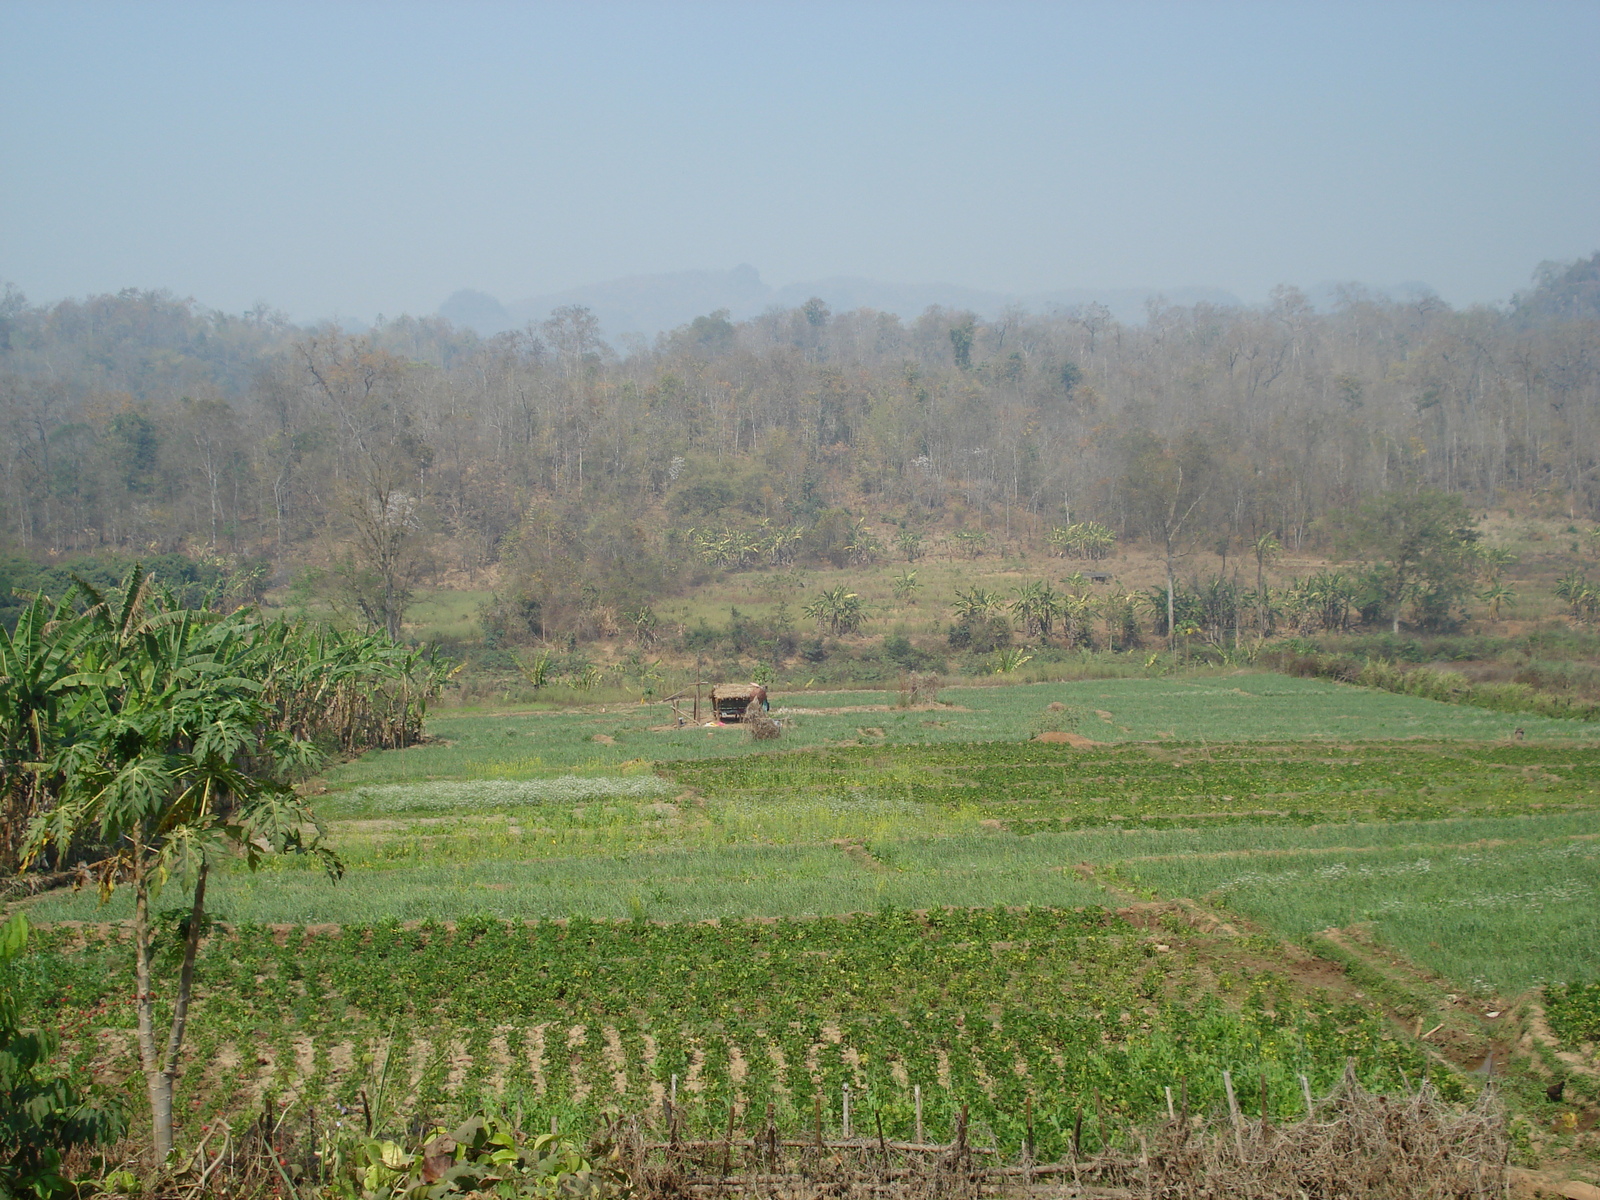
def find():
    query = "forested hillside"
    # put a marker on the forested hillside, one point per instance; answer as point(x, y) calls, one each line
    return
point(141, 424)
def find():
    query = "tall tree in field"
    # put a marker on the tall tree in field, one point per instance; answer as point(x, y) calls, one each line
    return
point(1165, 483)
point(172, 767)
point(1421, 539)
point(384, 460)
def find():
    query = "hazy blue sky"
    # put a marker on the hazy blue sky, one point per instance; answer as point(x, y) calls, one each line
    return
point(345, 158)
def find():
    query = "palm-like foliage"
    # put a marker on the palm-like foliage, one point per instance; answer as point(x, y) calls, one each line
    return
point(1008, 659)
point(1582, 596)
point(1087, 539)
point(906, 587)
point(1498, 595)
point(864, 546)
point(971, 540)
point(39, 676)
point(1492, 562)
point(345, 690)
point(1077, 619)
point(977, 604)
point(1037, 605)
point(1266, 548)
point(909, 543)
point(837, 609)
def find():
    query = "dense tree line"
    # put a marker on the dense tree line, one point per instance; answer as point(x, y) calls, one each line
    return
point(594, 477)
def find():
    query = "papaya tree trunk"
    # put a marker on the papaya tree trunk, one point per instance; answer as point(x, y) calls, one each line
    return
point(157, 1085)
point(161, 1070)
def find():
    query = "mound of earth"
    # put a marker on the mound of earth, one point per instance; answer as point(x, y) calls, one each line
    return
point(1061, 737)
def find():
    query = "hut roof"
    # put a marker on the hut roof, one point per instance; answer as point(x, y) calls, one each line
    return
point(733, 691)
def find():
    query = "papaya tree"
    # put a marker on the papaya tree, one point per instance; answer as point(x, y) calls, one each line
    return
point(173, 767)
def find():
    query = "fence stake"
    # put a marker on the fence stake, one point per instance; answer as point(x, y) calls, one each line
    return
point(1171, 1113)
point(1077, 1131)
point(844, 1118)
point(818, 1099)
point(916, 1093)
point(1233, 1112)
point(1264, 1119)
point(1305, 1086)
point(1028, 1120)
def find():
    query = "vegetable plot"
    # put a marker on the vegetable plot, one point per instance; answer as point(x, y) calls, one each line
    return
point(1035, 786)
point(1072, 1016)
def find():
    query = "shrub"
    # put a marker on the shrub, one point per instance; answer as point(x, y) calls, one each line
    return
point(42, 1115)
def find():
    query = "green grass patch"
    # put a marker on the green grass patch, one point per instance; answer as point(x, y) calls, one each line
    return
point(1495, 913)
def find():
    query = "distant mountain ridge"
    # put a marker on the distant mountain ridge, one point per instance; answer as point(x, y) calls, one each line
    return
point(651, 304)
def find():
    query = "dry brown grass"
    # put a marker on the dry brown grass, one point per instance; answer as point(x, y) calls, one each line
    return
point(1353, 1146)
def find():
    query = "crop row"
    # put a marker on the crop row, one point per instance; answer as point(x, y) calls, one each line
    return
point(993, 1008)
point(1058, 784)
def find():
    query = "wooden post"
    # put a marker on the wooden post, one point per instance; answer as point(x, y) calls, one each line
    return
point(772, 1136)
point(916, 1093)
point(1027, 1145)
point(877, 1115)
point(1264, 1120)
point(1233, 1112)
point(1305, 1086)
point(844, 1120)
point(818, 1099)
point(1077, 1131)
point(727, 1141)
point(1171, 1113)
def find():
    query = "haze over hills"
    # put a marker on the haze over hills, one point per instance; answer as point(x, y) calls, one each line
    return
point(651, 304)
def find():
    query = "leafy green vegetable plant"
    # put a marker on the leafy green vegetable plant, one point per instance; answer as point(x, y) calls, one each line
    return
point(42, 1114)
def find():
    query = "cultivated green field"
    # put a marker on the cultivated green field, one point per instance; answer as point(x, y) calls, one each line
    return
point(1287, 806)
point(1469, 854)
point(1235, 708)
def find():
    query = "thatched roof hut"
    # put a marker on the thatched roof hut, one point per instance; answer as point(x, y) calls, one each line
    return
point(731, 700)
